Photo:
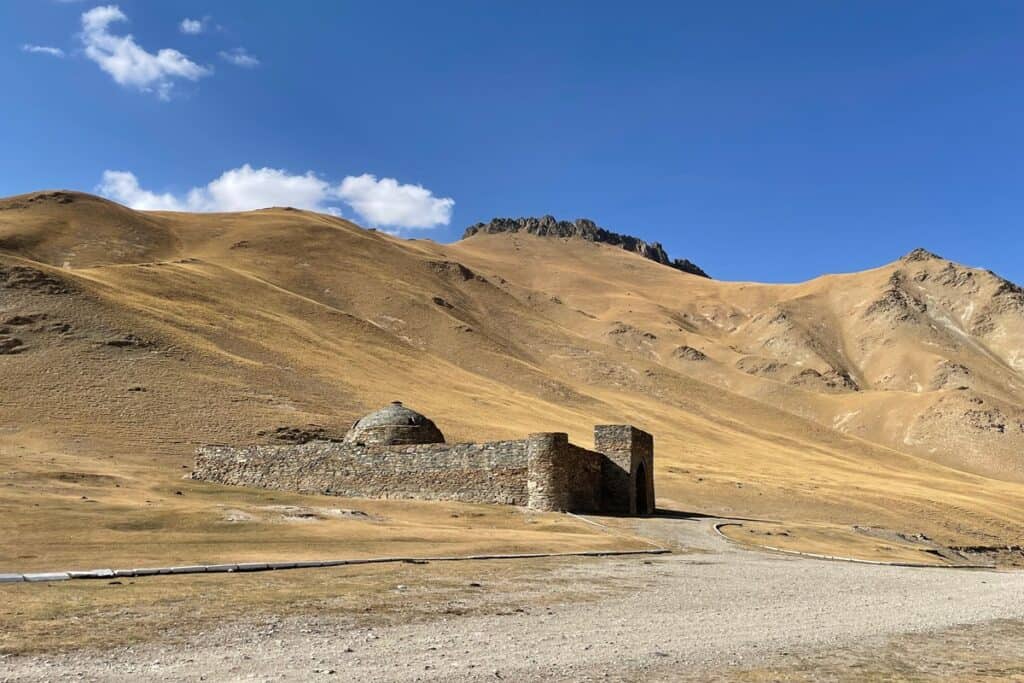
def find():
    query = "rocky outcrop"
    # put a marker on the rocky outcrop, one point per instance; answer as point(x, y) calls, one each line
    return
point(299, 435)
point(689, 353)
point(897, 304)
point(920, 254)
point(10, 345)
point(23, 277)
point(548, 226)
point(830, 381)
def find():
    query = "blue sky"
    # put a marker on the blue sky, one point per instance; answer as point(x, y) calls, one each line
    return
point(765, 141)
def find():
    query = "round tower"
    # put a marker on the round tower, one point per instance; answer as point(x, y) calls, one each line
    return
point(547, 485)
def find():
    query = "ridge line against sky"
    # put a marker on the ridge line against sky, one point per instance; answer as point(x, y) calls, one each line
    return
point(763, 143)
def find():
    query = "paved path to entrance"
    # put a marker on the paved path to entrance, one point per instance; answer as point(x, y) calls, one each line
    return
point(669, 617)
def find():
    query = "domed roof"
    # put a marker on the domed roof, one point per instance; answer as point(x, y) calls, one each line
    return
point(394, 425)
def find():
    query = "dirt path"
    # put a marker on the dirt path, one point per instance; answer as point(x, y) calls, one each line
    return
point(717, 611)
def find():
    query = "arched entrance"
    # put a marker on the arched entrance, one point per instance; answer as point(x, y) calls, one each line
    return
point(640, 498)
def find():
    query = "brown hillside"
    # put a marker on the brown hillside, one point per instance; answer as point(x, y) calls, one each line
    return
point(891, 398)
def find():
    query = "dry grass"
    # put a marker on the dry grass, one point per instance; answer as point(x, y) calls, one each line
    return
point(252, 321)
point(828, 540)
point(101, 614)
point(55, 518)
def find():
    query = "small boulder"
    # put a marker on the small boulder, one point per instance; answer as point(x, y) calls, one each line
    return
point(690, 354)
point(11, 345)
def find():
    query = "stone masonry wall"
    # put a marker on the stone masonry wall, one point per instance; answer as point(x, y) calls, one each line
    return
point(583, 479)
point(494, 472)
point(629, 451)
point(543, 471)
point(547, 474)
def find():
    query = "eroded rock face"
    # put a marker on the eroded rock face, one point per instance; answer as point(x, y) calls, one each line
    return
point(897, 305)
point(583, 228)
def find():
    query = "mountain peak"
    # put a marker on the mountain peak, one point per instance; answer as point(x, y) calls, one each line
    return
point(921, 254)
point(584, 228)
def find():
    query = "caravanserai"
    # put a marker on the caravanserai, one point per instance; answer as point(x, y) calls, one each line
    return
point(396, 452)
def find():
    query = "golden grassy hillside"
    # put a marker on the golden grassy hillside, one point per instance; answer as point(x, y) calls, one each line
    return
point(889, 398)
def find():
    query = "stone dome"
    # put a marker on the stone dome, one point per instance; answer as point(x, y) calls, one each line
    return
point(393, 425)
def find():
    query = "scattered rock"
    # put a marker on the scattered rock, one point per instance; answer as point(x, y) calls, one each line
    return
point(689, 353)
point(950, 373)
point(128, 341)
point(991, 420)
point(23, 277)
point(831, 380)
point(11, 345)
point(304, 434)
point(441, 302)
point(455, 270)
point(624, 328)
point(957, 278)
point(38, 198)
point(754, 365)
point(21, 320)
point(1008, 298)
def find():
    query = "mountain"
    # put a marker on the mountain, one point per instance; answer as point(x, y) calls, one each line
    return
point(586, 229)
point(891, 398)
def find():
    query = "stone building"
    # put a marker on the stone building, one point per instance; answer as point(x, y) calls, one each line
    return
point(397, 453)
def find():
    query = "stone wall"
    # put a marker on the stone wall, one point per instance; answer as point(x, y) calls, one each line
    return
point(548, 475)
point(543, 471)
point(629, 457)
point(584, 471)
point(492, 472)
point(563, 476)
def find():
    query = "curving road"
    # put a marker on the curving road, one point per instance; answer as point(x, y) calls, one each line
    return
point(705, 612)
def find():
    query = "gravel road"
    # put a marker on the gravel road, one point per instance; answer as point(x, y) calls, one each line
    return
point(695, 614)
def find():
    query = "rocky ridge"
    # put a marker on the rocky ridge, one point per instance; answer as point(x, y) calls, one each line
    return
point(583, 228)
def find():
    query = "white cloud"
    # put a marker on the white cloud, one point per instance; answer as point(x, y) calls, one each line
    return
point(239, 57)
point(43, 50)
point(245, 188)
point(128, 63)
point(192, 27)
point(383, 203)
point(387, 202)
point(123, 186)
point(240, 189)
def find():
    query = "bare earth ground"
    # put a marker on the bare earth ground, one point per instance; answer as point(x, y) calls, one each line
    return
point(712, 610)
